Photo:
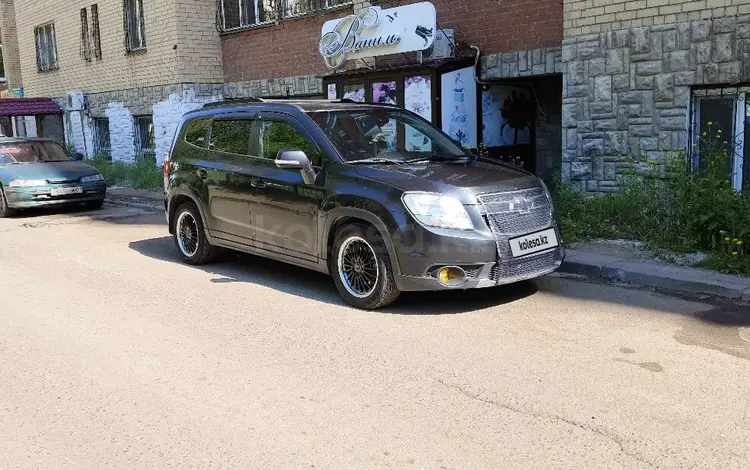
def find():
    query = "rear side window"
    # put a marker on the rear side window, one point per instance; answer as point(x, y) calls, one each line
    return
point(231, 136)
point(196, 131)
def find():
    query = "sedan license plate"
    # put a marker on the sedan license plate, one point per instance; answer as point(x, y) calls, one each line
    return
point(66, 191)
point(533, 243)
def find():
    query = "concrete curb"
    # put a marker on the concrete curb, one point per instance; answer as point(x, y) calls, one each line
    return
point(657, 275)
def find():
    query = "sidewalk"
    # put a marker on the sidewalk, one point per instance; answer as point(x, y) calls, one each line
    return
point(661, 276)
point(150, 199)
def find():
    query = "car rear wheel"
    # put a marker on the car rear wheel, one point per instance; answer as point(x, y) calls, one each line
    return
point(190, 236)
point(93, 205)
point(362, 269)
point(5, 211)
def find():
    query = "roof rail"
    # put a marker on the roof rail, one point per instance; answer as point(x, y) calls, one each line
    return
point(227, 101)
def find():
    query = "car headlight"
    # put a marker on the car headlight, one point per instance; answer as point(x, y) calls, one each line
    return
point(91, 178)
point(24, 183)
point(436, 210)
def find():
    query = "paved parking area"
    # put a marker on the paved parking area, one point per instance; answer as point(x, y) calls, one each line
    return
point(112, 353)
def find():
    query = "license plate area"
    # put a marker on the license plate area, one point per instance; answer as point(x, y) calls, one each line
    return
point(532, 243)
point(66, 191)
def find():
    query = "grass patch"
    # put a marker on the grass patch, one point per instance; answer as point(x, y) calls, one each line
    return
point(143, 173)
point(668, 206)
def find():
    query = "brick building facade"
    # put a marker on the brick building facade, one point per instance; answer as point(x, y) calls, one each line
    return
point(123, 71)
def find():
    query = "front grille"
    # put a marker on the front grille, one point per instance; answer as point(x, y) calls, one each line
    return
point(517, 212)
point(513, 213)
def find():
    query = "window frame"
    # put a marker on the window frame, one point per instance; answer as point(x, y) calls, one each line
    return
point(85, 50)
point(135, 19)
point(137, 135)
point(51, 53)
point(98, 123)
point(321, 6)
point(263, 16)
point(96, 38)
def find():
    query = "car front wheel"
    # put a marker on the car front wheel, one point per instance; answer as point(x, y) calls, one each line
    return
point(94, 205)
point(362, 269)
point(190, 236)
point(5, 211)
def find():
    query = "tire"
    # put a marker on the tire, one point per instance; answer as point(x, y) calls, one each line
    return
point(5, 211)
point(360, 250)
point(192, 246)
point(94, 205)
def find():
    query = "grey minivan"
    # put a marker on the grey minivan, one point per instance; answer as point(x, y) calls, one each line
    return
point(374, 195)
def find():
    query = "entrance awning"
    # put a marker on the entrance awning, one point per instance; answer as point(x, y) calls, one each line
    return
point(28, 107)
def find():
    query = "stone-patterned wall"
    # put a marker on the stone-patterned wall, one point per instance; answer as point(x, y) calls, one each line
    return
point(543, 61)
point(302, 85)
point(628, 91)
point(9, 40)
point(121, 132)
point(140, 101)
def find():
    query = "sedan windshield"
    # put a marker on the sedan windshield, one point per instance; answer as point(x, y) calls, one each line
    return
point(32, 152)
point(382, 135)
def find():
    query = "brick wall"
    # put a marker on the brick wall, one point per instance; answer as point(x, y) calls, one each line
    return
point(499, 25)
point(291, 47)
point(284, 50)
point(186, 24)
point(593, 16)
point(9, 38)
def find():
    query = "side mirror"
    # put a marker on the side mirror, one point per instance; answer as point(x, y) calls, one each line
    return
point(296, 160)
point(78, 156)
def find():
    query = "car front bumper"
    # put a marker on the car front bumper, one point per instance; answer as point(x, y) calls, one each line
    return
point(25, 198)
point(485, 257)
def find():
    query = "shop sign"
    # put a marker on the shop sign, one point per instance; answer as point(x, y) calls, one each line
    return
point(374, 31)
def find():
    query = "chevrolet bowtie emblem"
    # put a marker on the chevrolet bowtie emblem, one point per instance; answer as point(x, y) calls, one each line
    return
point(521, 206)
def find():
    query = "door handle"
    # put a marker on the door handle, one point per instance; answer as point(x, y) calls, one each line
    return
point(259, 184)
point(202, 173)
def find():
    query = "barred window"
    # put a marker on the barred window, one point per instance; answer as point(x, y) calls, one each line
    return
point(46, 47)
point(144, 135)
point(235, 14)
point(85, 49)
point(303, 7)
point(101, 136)
point(135, 25)
point(96, 40)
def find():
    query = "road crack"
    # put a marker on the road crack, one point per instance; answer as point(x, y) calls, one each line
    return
point(518, 410)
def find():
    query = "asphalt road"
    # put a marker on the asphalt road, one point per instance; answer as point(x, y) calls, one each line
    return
point(113, 354)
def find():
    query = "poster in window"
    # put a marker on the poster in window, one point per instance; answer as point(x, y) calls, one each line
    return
point(459, 106)
point(507, 116)
point(418, 99)
point(332, 91)
point(354, 93)
point(385, 92)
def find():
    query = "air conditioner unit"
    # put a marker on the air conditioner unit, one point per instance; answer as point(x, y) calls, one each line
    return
point(442, 47)
point(76, 101)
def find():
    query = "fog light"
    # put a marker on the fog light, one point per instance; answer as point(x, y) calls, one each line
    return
point(451, 276)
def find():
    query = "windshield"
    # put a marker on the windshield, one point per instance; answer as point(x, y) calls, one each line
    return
point(32, 152)
point(392, 135)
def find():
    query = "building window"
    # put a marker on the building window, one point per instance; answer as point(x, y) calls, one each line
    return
point(236, 14)
point(2, 66)
point(291, 8)
point(96, 40)
point(85, 49)
point(144, 136)
point(101, 137)
point(135, 25)
point(46, 47)
point(720, 119)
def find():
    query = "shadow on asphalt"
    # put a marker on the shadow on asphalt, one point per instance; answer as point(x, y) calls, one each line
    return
point(244, 268)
